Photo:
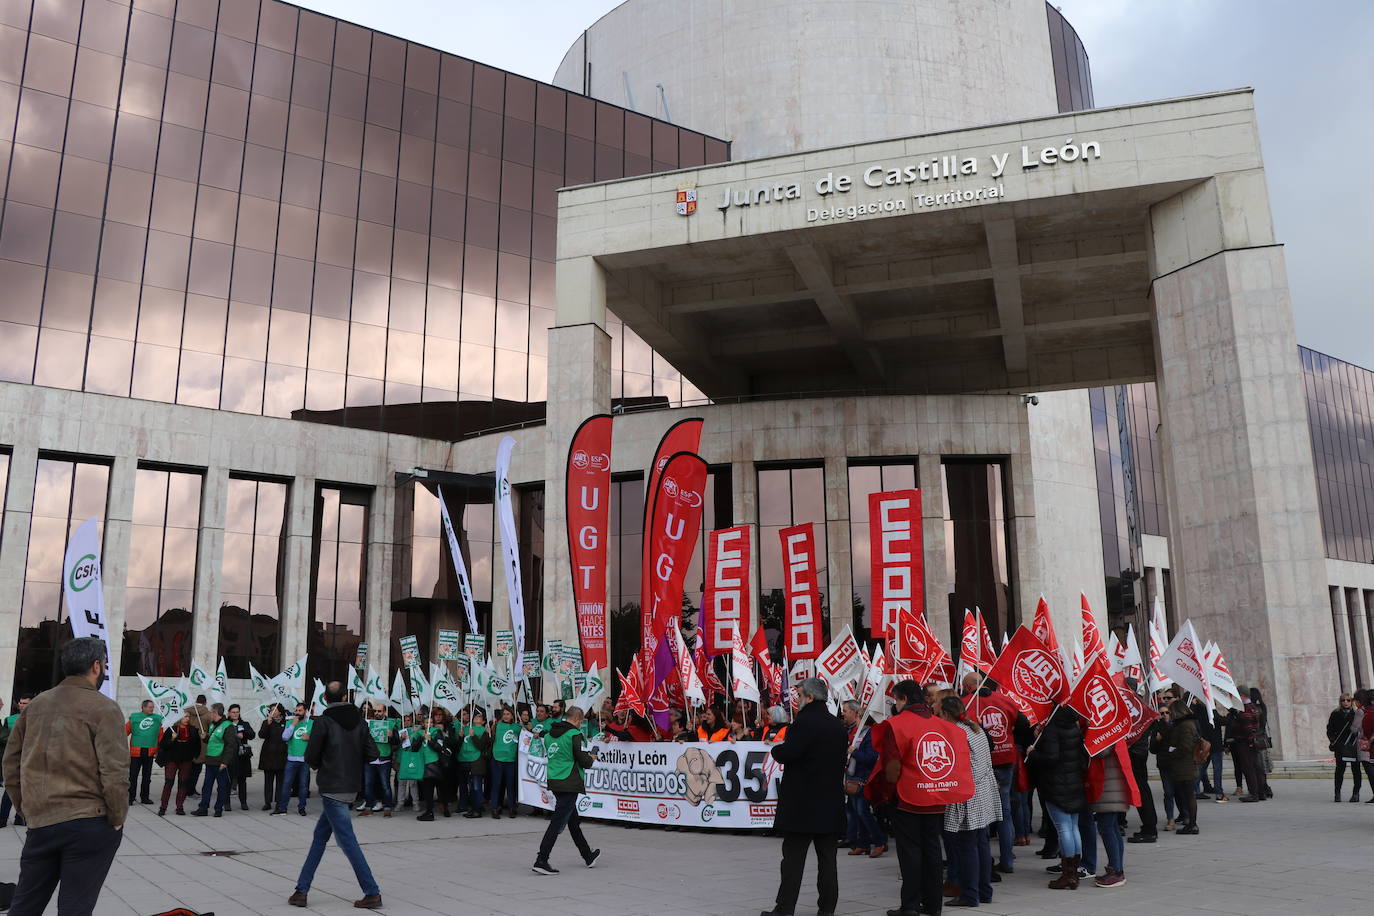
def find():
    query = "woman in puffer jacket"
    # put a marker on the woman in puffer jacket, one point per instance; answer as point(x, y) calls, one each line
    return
point(1057, 764)
point(1111, 790)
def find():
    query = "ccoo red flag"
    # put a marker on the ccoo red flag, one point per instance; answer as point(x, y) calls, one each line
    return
point(725, 605)
point(1107, 716)
point(802, 618)
point(1033, 673)
point(896, 560)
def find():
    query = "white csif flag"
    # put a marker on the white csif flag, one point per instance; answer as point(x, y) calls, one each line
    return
point(85, 593)
point(460, 569)
point(510, 549)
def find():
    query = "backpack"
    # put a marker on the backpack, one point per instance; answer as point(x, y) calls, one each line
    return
point(1202, 751)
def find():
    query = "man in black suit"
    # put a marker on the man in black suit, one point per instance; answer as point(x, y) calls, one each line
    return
point(811, 799)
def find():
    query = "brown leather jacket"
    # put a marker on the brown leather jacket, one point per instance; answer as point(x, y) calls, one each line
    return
point(51, 774)
point(200, 719)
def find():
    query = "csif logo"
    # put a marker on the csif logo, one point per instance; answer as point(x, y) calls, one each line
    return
point(84, 571)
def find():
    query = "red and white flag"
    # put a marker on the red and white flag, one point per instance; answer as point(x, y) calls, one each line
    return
point(1132, 665)
point(742, 683)
point(1116, 651)
point(725, 606)
point(1158, 642)
point(841, 662)
point(988, 654)
point(711, 685)
point(672, 535)
point(1182, 663)
point(1107, 716)
point(896, 560)
point(1042, 626)
point(588, 506)
point(1142, 714)
point(631, 690)
point(916, 653)
point(970, 645)
point(1219, 674)
point(687, 676)
point(802, 626)
point(1032, 672)
point(1092, 637)
point(682, 436)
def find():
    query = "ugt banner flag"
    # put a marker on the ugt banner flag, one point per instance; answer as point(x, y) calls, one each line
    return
point(84, 592)
point(682, 436)
point(672, 535)
point(588, 506)
point(1107, 717)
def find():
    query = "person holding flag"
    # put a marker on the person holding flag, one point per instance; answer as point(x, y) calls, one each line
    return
point(143, 728)
point(242, 767)
point(178, 746)
point(377, 775)
point(1058, 763)
point(504, 756)
point(296, 734)
point(272, 754)
point(1174, 742)
point(221, 750)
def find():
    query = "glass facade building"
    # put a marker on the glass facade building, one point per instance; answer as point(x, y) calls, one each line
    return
point(1340, 415)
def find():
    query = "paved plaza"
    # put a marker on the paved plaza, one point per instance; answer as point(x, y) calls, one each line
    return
point(1299, 854)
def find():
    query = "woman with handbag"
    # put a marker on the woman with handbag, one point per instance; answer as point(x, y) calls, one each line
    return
point(428, 741)
point(242, 766)
point(178, 747)
point(1343, 737)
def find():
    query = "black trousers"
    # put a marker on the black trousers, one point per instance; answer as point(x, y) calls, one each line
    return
point(1149, 818)
point(1248, 760)
point(920, 850)
point(77, 854)
point(140, 776)
point(564, 815)
point(794, 849)
point(271, 786)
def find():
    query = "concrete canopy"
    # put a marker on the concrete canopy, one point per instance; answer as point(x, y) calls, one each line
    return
point(1043, 283)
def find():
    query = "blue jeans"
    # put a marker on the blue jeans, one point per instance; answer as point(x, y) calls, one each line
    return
point(1087, 840)
point(1168, 796)
point(503, 784)
point(1066, 825)
point(477, 791)
point(335, 820)
point(1021, 813)
point(217, 778)
point(1109, 828)
point(1005, 837)
point(971, 867)
point(1217, 786)
point(297, 776)
point(864, 832)
point(377, 783)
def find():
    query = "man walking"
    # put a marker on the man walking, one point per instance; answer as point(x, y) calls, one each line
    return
point(221, 751)
point(340, 746)
point(811, 799)
point(566, 761)
point(66, 768)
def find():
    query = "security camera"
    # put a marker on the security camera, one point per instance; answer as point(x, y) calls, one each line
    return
point(1030, 399)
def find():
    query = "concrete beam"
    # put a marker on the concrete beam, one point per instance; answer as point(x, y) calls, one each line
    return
point(839, 311)
point(1006, 284)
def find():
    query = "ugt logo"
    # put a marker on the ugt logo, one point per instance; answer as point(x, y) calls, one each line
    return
point(1036, 676)
point(1101, 700)
point(934, 755)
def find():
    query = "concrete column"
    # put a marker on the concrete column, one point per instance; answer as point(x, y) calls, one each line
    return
point(837, 546)
point(1025, 551)
point(296, 573)
point(114, 551)
point(1245, 534)
point(381, 551)
point(930, 477)
point(14, 551)
point(1340, 622)
point(579, 386)
point(744, 509)
point(209, 591)
point(1358, 619)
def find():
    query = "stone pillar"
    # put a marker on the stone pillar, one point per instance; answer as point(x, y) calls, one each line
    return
point(214, 498)
point(744, 510)
point(296, 571)
point(1340, 622)
point(1245, 534)
point(114, 553)
point(1358, 618)
point(14, 551)
point(930, 477)
point(840, 572)
point(579, 386)
point(381, 550)
point(1025, 549)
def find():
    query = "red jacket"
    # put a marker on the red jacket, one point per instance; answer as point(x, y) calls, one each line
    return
point(997, 714)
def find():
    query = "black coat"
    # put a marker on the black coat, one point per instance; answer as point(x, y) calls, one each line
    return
point(1058, 762)
point(340, 743)
point(1342, 731)
point(814, 755)
point(272, 754)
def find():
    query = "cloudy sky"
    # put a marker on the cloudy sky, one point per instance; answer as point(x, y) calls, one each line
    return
point(1311, 66)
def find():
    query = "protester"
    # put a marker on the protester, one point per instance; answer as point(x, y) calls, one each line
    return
point(1139, 753)
point(377, 775)
point(1244, 733)
point(776, 729)
point(1111, 789)
point(566, 762)
point(711, 726)
point(1263, 742)
point(176, 749)
point(1174, 742)
point(338, 749)
point(1209, 783)
point(66, 767)
point(472, 757)
point(967, 822)
point(432, 742)
point(272, 755)
point(916, 803)
point(221, 751)
point(410, 762)
point(6, 803)
point(143, 728)
point(200, 718)
point(1058, 763)
point(866, 837)
point(242, 767)
point(1162, 701)
point(1342, 735)
point(296, 734)
point(445, 738)
point(1002, 721)
point(504, 755)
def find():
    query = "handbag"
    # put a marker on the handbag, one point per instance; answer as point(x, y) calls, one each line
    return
point(1262, 742)
point(853, 786)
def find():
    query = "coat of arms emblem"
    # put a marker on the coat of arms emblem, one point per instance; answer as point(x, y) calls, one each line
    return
point(686, 199)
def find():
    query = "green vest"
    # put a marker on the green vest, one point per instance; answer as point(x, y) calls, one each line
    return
point(300, 737)
point(215, 745)
point(144, 729)
point(469, 750)
point(507, 744)
point(430, 755)
point(560, 753)
point(381, 734)
point(9, 723)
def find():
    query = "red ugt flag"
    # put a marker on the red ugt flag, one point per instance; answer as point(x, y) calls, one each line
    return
point(1092, 637)
point(1107, 717)
point(1033, 673)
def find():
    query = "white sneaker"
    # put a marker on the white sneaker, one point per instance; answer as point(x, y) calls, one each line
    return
point(361, 806)
point(376, 807)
